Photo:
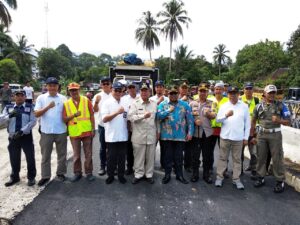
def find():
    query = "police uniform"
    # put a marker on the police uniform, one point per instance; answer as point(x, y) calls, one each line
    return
point(20, 120)
point(269, 138)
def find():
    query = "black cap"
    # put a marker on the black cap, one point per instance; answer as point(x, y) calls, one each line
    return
point(232, 89)
point(51, 80)
point(117, 85)
point(20, 91)
point(103, 79)
point(159, 83)
point(248, 85)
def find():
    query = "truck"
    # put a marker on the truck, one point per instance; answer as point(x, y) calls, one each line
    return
point(137, 74)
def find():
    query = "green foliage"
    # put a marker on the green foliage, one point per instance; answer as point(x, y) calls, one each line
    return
point(9, 71)
point(52, 63)
point(294, 54)
point(5, 17)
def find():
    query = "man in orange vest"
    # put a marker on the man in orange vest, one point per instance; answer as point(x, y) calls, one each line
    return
point(79, 116)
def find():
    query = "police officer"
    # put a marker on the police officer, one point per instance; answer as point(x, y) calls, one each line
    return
point(270, 114)
point(21, 121)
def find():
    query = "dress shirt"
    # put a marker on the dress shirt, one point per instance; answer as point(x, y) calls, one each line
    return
point(51, 121)
point(237, 126)
point(104, 97)
point(155, 98)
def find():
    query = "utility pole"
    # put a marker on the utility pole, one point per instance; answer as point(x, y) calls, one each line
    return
point(46, 20)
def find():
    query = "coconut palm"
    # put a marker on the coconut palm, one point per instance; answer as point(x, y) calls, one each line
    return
point(182, 53)
point(220, 56)
point(5, 17)
point(146, 33)
point(6, 41)
point(172, 17)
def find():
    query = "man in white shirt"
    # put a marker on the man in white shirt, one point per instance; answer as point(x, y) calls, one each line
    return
point(129, 99)
point(235, 118)
point(49, 107)
point(29, 93)
point(114, 116)
point(158, 98)
point(97, 104)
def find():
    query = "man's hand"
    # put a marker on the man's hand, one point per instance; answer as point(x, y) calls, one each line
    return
point(147, 115)
point(18, 135)
point(51, 105)
point(184, 98)
point(171, 108)
point(229, 113)
point(253, 141)
point(195, 113)
point(275, 119)
point(188, 137)
point(98, 98)
point(198, 122)
point(161, 98)
point(78, 113)
point(121, 110)
point(14, 113)
point(245, 142)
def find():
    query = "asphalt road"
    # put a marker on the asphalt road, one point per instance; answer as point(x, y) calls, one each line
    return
point(175, 203)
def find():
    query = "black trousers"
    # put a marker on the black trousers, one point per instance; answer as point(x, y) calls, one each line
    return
point(174, 155)
point(116, 154)
point(14, 149)
point(129, 155)
point(206, 146)
point(187, 159)
point(162, 153)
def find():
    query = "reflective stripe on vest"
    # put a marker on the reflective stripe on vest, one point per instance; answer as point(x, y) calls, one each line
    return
point(79, 124)
point(216, 106)
point(251, 105)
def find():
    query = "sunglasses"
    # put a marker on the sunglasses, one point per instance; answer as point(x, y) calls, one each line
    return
point(105, 84)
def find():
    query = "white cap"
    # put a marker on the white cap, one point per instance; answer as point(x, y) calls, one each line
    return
point(219, 84)
point(269, 88)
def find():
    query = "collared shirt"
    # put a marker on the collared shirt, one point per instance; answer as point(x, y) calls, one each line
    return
point(198, 113)
point(29, 92)
point(116, 129)
point(237, 126)
point(5, 94)
point(129, 100)
point(51, 121)
point(155, 98)
point(104, 96)
point(175, 125)
point(25, 121)
point(143, 130)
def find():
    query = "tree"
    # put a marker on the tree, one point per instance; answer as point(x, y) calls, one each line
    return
point(53, 64)
point(9, 71)
point(5, 17)
point(6, 41)
point(220, 56)
point(182, 60)
point(22, 53)
point(294, 55)
point(147, 32)
point(172, 17)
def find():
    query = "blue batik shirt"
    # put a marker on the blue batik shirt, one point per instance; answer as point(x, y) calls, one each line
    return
point(175, 125)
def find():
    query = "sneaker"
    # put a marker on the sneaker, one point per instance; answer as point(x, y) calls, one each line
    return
point(279, 187)
point(122, 180)
point(31, 182)
point(61, 177)
point(109, 180)
point(76, 178)
point(239, 185)
point(90, 177)
point(102, 172)
point(259, 182)
point(135, 180)
point(219, 182)
point(43, 181)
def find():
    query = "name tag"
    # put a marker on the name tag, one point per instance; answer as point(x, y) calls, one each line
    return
point(27, 109)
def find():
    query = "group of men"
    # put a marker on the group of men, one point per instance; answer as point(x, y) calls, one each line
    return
point(131, 123)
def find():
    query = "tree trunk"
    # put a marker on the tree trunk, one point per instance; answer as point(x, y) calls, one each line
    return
point(219, 72)
point(150, 55)
point(170, 60)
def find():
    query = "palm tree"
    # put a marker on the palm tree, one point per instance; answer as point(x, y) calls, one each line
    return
point(182, 60)
point(6, 41)
point(220, 56)
point(182, 53)
point(172, 17)
point(5, 17)
point(146, 33)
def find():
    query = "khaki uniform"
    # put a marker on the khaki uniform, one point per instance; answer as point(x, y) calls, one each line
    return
point(144, 136)
point(269, 138)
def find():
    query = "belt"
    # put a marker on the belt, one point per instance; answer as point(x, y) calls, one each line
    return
point(274, 130)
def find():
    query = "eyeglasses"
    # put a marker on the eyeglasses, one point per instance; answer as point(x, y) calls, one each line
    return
point(173, 93)
point(105, 84)
point(118, 90)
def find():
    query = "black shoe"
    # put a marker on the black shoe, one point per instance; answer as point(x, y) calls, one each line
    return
point(194, 178)
point(11, 182)
point(150, 180)
point(61, 177)
point(279, 188)
point(109, 180)
point(76, 178)
point(260, 182)
point(208, 179)
point(135, 180)
point(166, 179)
point(102, 172)
point(90, 177)
point(31, 182)
point(129, 172)
point(122, 180)
point(182, 180)
point(43, 181)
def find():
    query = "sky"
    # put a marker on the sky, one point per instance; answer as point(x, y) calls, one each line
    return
point(108, 26)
